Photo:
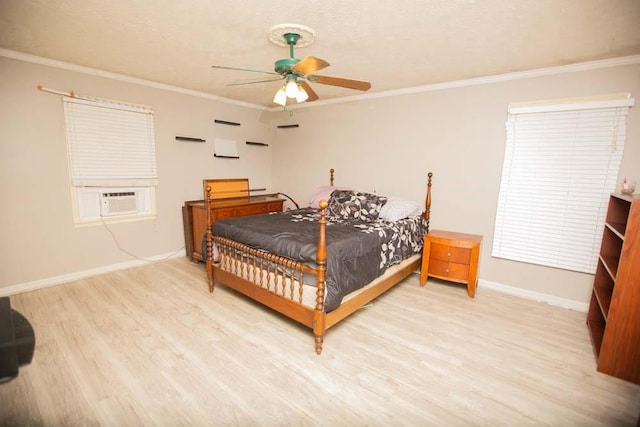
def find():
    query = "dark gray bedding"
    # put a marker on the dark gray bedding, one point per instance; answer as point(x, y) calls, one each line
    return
point(357, 251)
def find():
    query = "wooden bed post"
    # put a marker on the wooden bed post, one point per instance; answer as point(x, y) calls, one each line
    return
point(331, 176)
point(209, 237)
point(319, 316)
point(427, 203)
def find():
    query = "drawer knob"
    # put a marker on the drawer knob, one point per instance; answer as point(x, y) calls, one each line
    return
point(448, 253)
point(446, 270)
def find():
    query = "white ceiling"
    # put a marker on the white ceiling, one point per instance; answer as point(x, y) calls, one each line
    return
point(394, 44)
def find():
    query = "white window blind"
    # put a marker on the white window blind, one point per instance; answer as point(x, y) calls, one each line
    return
point(110, 144)
point(561, 163)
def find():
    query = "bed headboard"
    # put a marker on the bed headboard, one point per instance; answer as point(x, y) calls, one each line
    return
point(426, 214)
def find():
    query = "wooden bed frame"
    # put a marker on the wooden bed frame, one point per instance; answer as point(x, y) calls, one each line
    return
point(242, 269)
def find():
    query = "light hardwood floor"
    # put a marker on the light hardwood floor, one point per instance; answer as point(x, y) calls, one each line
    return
point(151, 346)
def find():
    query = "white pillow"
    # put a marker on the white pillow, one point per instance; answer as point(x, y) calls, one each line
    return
point(398, 208)
point(323, 193)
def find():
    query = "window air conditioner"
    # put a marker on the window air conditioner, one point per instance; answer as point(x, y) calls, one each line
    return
point(95, 203)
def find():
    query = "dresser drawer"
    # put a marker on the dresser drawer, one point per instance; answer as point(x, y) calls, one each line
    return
point(275, 207)
point(250, 210)
point(449, 270)
point(222, 213)
point(450, 253)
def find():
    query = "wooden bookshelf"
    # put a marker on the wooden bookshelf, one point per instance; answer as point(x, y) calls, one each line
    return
point(614, 311)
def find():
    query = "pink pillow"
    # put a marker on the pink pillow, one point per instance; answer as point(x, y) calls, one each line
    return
point(323, 193)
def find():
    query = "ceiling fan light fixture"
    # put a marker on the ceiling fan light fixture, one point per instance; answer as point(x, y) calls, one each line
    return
point(302, 94)
point(291, 88)
point(281, 97)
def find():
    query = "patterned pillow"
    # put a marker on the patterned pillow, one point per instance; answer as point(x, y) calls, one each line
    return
point(355, 205)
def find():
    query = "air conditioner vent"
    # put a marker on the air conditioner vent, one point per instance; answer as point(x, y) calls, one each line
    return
point(118, 203)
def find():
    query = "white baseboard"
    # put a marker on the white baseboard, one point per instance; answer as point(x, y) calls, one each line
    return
point(537, 296)
point(65, 278)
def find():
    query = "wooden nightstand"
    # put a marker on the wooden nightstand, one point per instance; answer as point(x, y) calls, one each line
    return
point(451, 256)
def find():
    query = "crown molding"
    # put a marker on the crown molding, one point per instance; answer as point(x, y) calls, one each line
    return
point(561, 69)
point(120, 77)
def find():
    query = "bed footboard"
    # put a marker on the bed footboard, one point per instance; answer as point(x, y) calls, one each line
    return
point(278, 275)
point(285, 285)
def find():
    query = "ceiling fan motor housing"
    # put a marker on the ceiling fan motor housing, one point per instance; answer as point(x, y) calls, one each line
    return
point(285, 65)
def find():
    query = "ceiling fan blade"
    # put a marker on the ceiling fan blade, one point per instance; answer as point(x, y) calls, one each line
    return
point(222, 67)
point(252, 81)
point(309, 65)
point(312, 95)
point(337, 81)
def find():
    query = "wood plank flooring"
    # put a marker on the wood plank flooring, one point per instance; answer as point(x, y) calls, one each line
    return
point(151, 346)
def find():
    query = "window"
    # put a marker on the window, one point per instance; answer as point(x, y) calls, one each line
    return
point(561, 163)
point(112, 159)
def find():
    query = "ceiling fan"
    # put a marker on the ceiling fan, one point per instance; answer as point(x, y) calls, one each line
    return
point(296, 72)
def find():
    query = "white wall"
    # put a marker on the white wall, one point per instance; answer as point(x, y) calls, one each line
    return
point(38, 238)
point(389, 144)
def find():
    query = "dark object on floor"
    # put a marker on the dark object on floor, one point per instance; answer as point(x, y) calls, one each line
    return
point(17, 341)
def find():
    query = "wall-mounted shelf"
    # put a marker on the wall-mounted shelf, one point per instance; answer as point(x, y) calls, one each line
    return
point(261, 144)
point(288, 126)
point(225, 122)
point(189, 139)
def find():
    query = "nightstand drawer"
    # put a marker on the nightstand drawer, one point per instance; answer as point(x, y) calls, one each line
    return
point(450, 253)
point(449, 270)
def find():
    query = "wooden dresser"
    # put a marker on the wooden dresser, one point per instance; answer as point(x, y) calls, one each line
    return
point(229, 199)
